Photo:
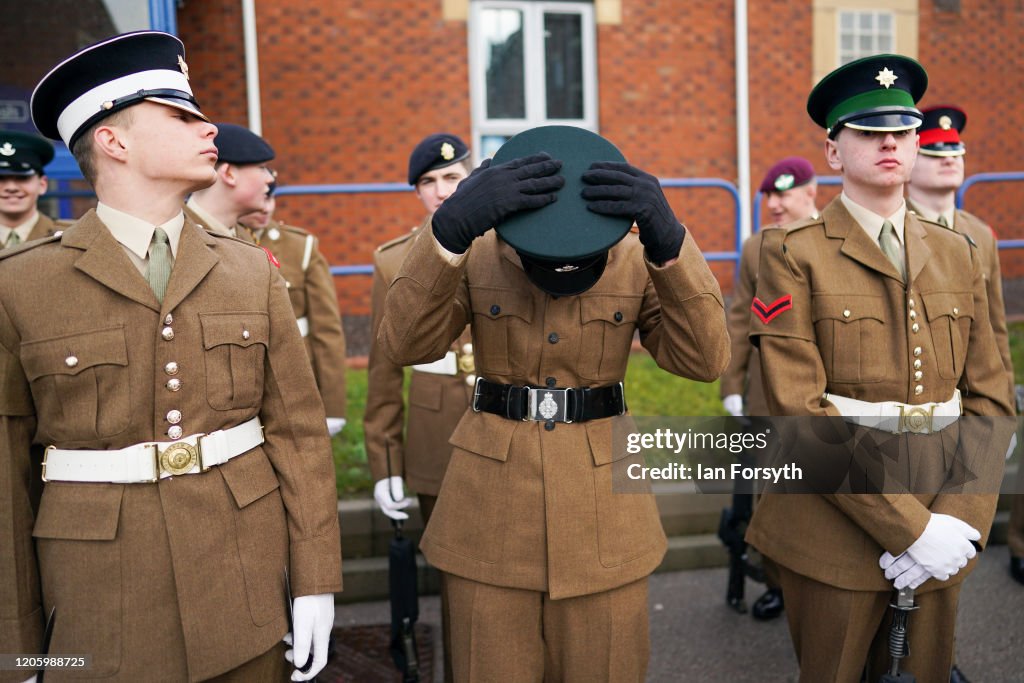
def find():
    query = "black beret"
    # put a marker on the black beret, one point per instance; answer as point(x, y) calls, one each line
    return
point(23, 154)
point(434, 152)
point(108, 76)
point(239, 145)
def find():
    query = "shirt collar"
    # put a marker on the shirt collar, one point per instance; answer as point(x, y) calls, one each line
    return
point(871, 222)
point(208, 218)
point(136, 234)
point(23, 229)
point(928, 214)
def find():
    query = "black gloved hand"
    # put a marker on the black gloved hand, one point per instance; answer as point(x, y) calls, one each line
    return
point(618, 189)
point(491, 194)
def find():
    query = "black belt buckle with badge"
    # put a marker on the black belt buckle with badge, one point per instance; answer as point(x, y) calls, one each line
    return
point(548, 404)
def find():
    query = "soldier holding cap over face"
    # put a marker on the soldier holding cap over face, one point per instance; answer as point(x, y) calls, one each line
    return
point(315, 302)
point(187, 463)
point(854, 314)
point(545, 565)
point(22, 181)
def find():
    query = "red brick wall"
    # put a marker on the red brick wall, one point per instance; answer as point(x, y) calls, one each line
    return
point(349, 88)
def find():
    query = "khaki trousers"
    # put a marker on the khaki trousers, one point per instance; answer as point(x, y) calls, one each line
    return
point(509, 635)
point(271, 666)
point(837, 633)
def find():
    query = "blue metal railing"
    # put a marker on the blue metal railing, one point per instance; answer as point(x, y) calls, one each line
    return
point(1008, 176)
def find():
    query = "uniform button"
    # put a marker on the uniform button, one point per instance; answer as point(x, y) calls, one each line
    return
point(550, 381)
point(245, 334)
point(913, 315)
point(917, 364)
point(846, 313)
point(174, 432)
point(495, 309)
point(169, 319)
point(171, 368)
point(918, 375)
point(956, 311)
point(918, 390)
point(71, 361)
point(173, 384)
point(618, 316)
point(553, 338)
point(173, 416)
point(549, 425)
point(167, 333)
point(917, 351)
point(467, 349)
point(470, 380)
point(911, 303)
point(915, 328)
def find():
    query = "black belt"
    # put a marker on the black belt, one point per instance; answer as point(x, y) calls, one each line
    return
point(548, 404)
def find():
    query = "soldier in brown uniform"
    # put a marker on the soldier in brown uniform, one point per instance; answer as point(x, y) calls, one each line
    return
point(187, 464)
point(850, 326)
point(22, 182)
point(314, 300)
point(546, 567)
point(789, 188)
point(937, 175)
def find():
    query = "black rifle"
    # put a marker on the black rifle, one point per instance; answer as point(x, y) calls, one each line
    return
point(898, 647)
point(732, 527)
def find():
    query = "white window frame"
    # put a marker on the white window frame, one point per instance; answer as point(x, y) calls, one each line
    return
point(843, 57)
point(535, 93)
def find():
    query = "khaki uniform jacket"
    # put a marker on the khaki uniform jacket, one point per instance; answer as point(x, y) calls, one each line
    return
point(526, 507)
point(743, 376)
point(311, 290)
point(851, 332)
point(436, 402)
point(181, 577)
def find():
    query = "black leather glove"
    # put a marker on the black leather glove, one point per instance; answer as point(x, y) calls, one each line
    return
point(618, 189)
point(491, 194)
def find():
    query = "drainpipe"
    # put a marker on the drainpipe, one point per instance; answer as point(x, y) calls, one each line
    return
point(252, 67)
point(742, 119)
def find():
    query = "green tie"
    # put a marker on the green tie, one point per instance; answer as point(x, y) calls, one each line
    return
point(13, 240)
point(890, 245)
point(942, 221)
point(159, 264)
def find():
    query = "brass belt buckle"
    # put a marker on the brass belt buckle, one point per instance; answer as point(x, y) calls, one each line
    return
point(918, 419)
point(179, 458)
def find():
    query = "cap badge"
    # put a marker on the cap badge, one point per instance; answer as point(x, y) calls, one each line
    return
point(447, 151)
point(784, 182)
point(183, 66)
point(886, 78)
point(945, 123)
point(568, 268)
point(8, 149)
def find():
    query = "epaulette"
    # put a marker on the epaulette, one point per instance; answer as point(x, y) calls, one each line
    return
point(31, 244)
point(803, 223)
point(293, 229)
point(398, 240)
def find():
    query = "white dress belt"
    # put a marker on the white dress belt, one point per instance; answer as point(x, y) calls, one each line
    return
point(895, 417)
point(449, 365)
point(303, 325)
point(151, 461)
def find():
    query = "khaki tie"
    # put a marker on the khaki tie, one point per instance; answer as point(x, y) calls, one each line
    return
point(890, 245)
point(942, 221)
point(13, 240)
point(159, 264)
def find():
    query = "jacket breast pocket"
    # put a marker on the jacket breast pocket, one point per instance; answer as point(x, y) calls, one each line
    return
point(80, 383)
point(950, 315)
point(501, 326)
point(851, 336)
point(235, 351)
point(608, 324)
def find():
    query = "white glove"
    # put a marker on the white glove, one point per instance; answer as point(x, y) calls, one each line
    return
point(312, 619)
point(733, 404)
point(904, 569)
point(945, 546)
point(335, 425)
point(30, 680)
point(394, 501)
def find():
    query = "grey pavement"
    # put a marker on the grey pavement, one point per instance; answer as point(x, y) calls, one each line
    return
point(696, 637)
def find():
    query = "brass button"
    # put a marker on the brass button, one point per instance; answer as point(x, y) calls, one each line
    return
point(171, 368)
point(470, 380)
point(956, 311)
point(467, 349)
point(167, 333)
point(169, 319)
point(245, 334)
point(174, 416)
point(917, 351)
point(918, 390)
point(71, 361)
point(174, 432)
point(846, 313)
point(915, 328)
point(917, 364)
point(913, 315)
point(911, 303)
point(918, 375)
point(174, 384)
